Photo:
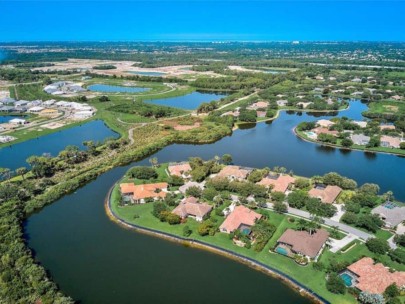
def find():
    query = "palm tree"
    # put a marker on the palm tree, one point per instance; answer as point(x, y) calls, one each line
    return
point(21, 171)
point(389, 195)
point(153, 161)
point(217, 158)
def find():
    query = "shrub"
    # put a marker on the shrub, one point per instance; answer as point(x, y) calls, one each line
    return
point(397, 255)
point(335, 284)
point(377, 245)
point(194, 191)
point(280, 207)
point(186, 231)
point(143, 173)
point(173, 219)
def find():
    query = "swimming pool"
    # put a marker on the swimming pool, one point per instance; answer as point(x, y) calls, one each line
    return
point(347, 279)
point(310, 134)
point(281, 250)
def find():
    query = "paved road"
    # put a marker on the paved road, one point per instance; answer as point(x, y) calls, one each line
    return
point(345, 228)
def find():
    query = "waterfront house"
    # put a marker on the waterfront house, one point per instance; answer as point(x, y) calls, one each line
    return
point(137, 194)
point(360, 139)
point(390, 141)
point(323, 130)
point(373, 278)
point(18, 121)
point(325, 123)
point(241, 218)
point(327, 194)
point(235, 172)
point(390, 213)
point(191, 207)
point(278, 182)
point(179, 169)
point(302, 243)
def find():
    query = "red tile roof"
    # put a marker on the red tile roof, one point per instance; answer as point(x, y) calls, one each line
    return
point(280, 184)
point(327, 195)
point(233, 171)
point(375, 278)
point(240, 215)
point(144, 191)
point(179, 169)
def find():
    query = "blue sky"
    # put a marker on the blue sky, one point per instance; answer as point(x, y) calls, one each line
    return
point(202, 20)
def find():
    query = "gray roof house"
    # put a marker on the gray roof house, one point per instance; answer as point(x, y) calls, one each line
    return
point(360, 139)
point(390, 213)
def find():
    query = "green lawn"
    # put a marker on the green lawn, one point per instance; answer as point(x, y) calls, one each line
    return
point(306, 275)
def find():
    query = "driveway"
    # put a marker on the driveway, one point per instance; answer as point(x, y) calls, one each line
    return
point(328, 222)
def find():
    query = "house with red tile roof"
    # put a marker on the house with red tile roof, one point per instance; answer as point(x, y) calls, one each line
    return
point(138, 193)
point(327, 195)
point(323, 130)
point(373, 278)
point(240, 218)
point(390, 141)
point(179, 169)
point(303, 243)
point(234, 172)
point(279, 183)
point(191, 207)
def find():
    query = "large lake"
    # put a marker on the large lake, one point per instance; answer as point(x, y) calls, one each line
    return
point(15, 156)
point(189, 102)
point(105, 88)
point(95, 261)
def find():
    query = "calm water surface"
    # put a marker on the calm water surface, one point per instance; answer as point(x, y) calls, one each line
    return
point(143, 73)
point(15, 156)
point(96, 261)
point(115, 89)
point(7, 118)
point(189, 102)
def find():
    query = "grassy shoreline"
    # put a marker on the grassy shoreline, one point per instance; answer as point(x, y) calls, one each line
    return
point(198, 244)
point(382, 150)
point(140, 217)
